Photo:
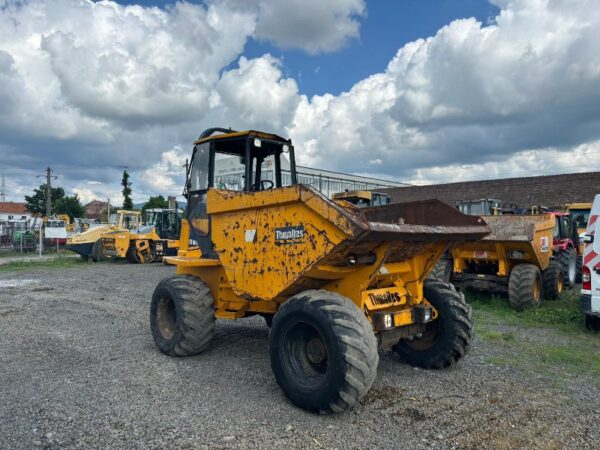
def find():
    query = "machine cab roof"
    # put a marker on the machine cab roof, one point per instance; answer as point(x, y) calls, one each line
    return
point(233, 160)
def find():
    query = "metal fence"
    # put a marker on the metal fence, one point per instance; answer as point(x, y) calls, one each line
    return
point(22, 238)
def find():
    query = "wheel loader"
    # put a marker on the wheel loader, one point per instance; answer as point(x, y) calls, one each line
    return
point(334, 284)
point(157, 238)
point(88, 243)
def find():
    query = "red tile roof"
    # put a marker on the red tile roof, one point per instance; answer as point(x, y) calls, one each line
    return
point(13, 208)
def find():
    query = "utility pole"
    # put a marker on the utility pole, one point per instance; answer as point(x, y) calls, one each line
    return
point(49, 177)
point(2, 189)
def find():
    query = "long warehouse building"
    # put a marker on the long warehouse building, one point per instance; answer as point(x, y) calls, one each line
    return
point(552, 191)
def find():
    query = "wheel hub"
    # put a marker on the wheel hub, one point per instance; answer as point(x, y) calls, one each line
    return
point(315, 351)
point(165, 317)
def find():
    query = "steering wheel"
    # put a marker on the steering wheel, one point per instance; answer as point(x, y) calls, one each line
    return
point(260, 186)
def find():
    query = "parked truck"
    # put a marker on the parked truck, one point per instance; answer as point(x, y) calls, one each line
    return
point(335, 283)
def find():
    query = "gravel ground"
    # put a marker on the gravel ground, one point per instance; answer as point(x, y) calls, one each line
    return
point(79, 369)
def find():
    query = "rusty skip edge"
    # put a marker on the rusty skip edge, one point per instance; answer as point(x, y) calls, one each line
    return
point(405, 232)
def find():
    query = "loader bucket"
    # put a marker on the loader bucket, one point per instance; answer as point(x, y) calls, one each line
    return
point(272, 243)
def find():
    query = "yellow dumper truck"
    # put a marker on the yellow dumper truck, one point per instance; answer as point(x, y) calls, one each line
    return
point(514, 257)
point(334, 283)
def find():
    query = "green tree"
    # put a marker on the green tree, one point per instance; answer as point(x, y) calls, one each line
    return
point(36, 203)
point(69, 205)
point(155, 202)
point(127, 203)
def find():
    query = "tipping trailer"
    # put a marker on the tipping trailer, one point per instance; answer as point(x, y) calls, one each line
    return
point(516, 257)
point(334, 283)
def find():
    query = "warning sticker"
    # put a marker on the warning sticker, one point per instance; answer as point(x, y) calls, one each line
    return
point(544, 244)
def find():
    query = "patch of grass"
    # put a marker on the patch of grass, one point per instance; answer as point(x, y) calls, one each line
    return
point(563, 314)
point(497, 336)
point(550, 340)
point(60, 262)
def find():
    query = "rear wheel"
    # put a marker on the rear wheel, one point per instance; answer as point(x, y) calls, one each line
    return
point(182, 315)
point(447, 339)
point(568, 260)
point(525, 287)
point(442, 270)
point(323, 351)
point(553, 281)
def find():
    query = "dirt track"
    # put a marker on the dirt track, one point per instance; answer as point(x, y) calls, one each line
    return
point(79, 369)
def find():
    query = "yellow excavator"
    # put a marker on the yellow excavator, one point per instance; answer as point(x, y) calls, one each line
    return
point(334, 283)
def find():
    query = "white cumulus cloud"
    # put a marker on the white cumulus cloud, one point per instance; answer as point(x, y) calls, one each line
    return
point(311, 25)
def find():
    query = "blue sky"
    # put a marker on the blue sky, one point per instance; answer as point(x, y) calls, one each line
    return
point(388, 25)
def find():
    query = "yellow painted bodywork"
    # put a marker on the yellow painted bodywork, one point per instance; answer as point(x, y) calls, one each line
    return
point(255, 272)
point(531, 235)
point(117, 243)
point(91, 235)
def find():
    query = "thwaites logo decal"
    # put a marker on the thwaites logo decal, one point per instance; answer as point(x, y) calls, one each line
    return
point(289, 235)
point(544, 244)
point(386, 297)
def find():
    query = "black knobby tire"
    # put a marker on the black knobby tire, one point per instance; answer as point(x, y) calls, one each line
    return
point(553, 281)
point(447, 339)
point(131, 255)
point(182, 315)
point(323, 351)
point(525, 287)
point(579, 269)
point(442, 270)
point(268, 319)
point(568, 260)
point(98, 251)
point(592, 323)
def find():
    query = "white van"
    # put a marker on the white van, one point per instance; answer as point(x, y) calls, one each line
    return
point(590, 278)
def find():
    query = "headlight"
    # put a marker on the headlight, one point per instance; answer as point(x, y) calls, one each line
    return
point(257, 142)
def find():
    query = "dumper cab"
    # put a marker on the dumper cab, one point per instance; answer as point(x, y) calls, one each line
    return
point(334, 282)
point(363, 199)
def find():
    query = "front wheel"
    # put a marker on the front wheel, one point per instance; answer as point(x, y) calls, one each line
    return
point(442, 269)
point(525, 287)
point(323, 351)
point(182, 315)
point(448, 338)
point(553, 281)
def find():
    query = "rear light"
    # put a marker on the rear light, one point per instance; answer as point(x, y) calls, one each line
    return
point(586, 279)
